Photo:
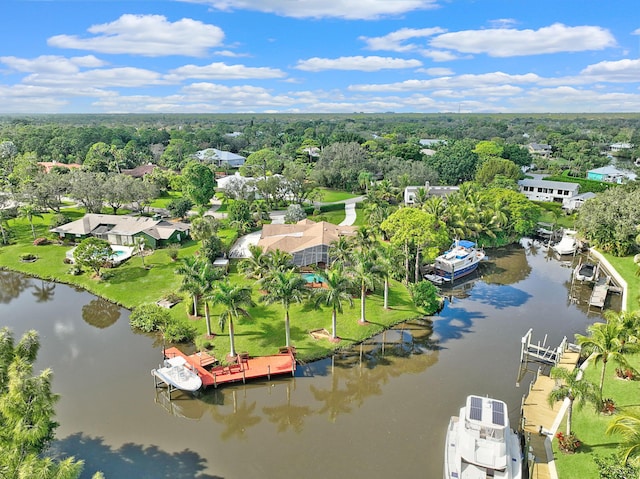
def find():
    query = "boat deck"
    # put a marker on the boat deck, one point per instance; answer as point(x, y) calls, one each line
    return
point(537, 413)
point(245, 368)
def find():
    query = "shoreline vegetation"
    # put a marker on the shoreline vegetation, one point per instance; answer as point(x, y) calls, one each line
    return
point(156, 279)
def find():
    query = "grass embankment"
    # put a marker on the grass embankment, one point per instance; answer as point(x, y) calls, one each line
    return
point(590, 427)
point(131, 284)
point(628, 270)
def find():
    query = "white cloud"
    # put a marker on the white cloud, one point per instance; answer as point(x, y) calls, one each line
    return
point(460, 81)
point(438, 72)
point(51, 64)
point(348, 9)
point(147, 35)
point(229, 53)
point(105, 78)
point(508, 42)
point(503, 22)
point(358, 63)
point(222, 71)
point(395, 41)
point(617, 71)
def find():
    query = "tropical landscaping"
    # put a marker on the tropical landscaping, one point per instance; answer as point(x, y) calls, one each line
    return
point(372, 279)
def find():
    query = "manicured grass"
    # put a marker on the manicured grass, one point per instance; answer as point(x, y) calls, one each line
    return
point(165, 199)
point(627, 268)
point(331, 196)
point(131, 284)
point(590, 427)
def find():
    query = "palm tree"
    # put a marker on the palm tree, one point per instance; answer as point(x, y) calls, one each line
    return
point(279, 260)
point(630, 322)
point(195, 274)
point(256, 265)
point(387, 264)
point(627, 424)
point(603, 343)
point(571, 386)
point(234, 299)
point(366, 272)
point(340, 250)
point(365, 237)
point(286, 288)
point(335, 294)
point(29, 212)
point(139, 245)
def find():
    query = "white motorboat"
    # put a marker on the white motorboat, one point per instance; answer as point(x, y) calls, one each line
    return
point(586, 272)
point(177, 374)
point(481, 444)
point(567, 244)
point(461, 259)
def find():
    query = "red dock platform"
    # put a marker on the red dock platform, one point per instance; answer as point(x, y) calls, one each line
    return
point(245, 368)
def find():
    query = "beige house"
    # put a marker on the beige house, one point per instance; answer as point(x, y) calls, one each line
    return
point(121, 229)
point(306, 240)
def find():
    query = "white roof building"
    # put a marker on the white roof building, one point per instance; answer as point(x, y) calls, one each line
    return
point(220, 157)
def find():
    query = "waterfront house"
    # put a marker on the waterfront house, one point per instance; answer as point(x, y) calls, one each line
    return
point(122, 229)
point(307, 241)
point(616, 147)
point(577, 201)
point(410, 192)
point(543, 190)
point(610, 174)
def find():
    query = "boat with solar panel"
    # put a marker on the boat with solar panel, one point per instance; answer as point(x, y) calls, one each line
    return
point(481, 444)
point(461, 259)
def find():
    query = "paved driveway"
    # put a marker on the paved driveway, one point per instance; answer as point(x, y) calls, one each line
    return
point(240, 248)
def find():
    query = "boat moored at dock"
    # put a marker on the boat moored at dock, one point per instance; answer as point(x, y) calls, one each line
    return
point(177, 374)
point(480, 442)
point(461, 259)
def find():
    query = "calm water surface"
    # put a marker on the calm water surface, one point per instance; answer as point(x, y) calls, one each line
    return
point(379, 411)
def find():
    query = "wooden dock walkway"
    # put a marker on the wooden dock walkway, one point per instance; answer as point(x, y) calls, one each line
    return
point(538, 416)
point(599, 293)
point(245, 368)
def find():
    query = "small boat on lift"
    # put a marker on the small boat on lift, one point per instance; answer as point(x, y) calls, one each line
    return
point(567, 244)
point(481, 444)
point(586, 272)
point(176, 373)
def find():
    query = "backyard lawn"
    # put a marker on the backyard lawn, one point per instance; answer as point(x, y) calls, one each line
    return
point(590, 427)
point(262, 334)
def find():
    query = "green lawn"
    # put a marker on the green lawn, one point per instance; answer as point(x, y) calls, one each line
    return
point(165, 199)
point(590, 427)
point(627, 269)
point(332, 196)
point(131, 284)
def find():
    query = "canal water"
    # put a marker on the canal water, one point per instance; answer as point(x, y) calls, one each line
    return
point(378, 411)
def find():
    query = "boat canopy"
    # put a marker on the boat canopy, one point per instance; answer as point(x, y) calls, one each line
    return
point(466, 244)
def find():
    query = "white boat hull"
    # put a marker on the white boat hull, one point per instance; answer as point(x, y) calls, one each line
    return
point(480, 443)
point(177, 375)
point(458, 261)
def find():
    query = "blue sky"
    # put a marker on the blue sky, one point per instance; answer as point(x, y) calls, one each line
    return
point(319, 56)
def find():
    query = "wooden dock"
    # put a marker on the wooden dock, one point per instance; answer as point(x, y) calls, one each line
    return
point(213, 374)
point(600, 292)
point(538, 419)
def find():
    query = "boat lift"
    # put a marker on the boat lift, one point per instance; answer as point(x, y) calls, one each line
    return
point(541, 352)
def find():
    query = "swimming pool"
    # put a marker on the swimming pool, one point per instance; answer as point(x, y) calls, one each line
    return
point(120, 254)
point(312, 278)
